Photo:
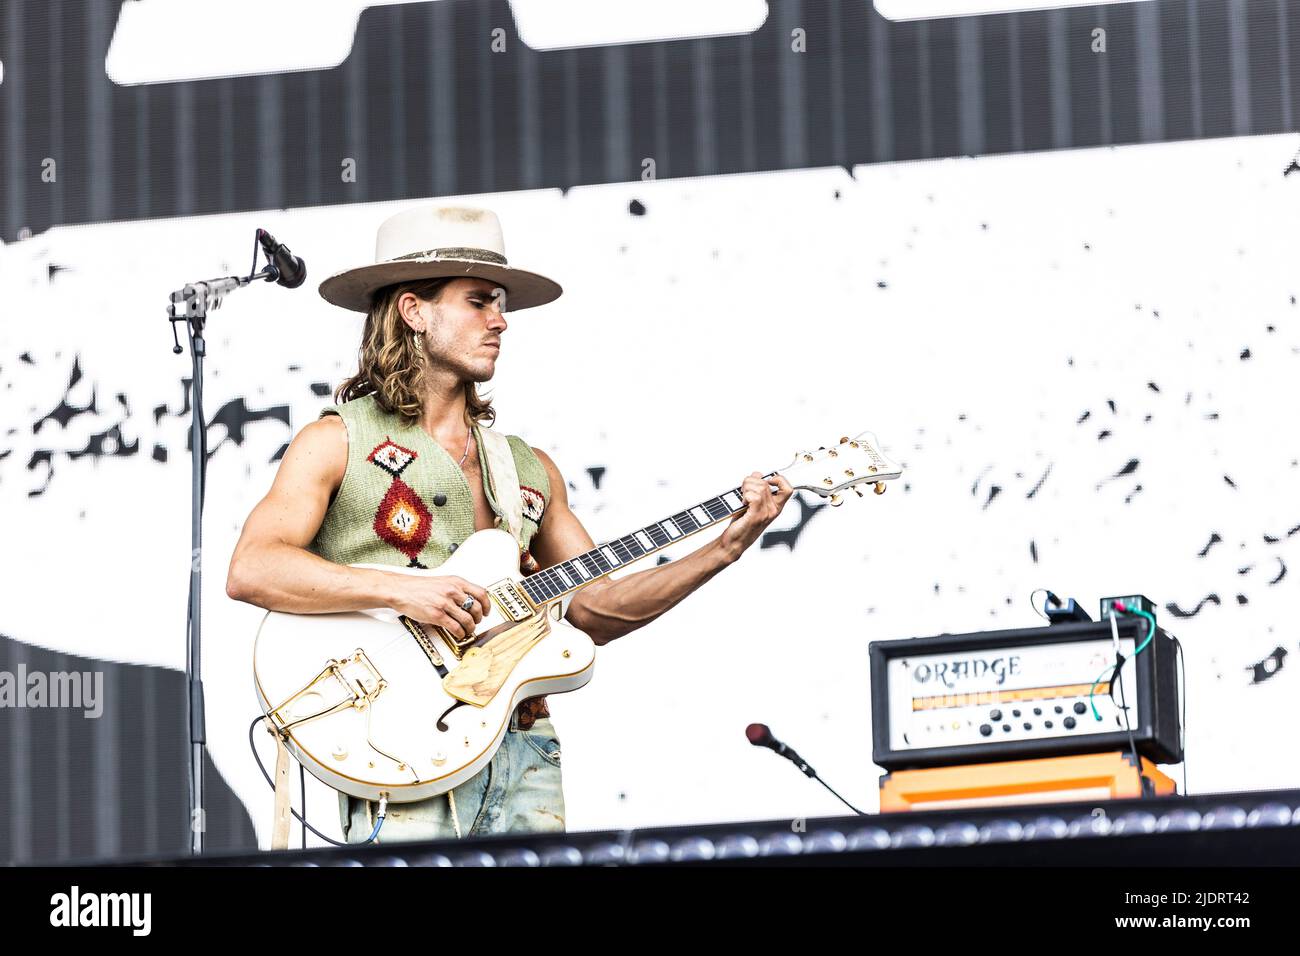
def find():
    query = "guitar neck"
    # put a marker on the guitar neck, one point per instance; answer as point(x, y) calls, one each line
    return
point(553, 583)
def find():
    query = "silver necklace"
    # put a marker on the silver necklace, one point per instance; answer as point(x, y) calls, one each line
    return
point(468, 434)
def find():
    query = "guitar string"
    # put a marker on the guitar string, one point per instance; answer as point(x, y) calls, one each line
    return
point(402, 639)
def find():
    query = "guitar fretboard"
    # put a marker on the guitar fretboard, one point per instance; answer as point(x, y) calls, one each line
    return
point(559, 579)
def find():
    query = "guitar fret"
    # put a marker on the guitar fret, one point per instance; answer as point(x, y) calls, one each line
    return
point(559, 579)
point(716, 509)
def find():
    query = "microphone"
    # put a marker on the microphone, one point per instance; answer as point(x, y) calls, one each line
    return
point(760, 736)
point(292, 270)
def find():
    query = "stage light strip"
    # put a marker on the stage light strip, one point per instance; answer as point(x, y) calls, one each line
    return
point(935, 9)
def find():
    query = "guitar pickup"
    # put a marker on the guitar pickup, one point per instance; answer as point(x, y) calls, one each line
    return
point(512, 601)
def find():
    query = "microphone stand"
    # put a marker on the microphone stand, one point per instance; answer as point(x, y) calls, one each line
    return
point(191, 305)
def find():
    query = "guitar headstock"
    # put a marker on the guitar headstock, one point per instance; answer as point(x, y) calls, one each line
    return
point(829, 472)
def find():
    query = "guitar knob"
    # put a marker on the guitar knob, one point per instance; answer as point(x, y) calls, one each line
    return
point(878, 487)
point(836, 501)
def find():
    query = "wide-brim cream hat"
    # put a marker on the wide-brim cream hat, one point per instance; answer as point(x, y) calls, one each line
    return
point(428, 242)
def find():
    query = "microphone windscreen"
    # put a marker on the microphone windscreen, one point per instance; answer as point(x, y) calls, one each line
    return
point(758, 735)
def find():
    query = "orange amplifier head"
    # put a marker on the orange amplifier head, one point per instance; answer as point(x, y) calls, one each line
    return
point(1035, 692)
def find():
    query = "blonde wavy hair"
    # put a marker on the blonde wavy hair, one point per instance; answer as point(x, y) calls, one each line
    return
point(389, 365)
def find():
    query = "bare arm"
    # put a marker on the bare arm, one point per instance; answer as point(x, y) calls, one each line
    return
point(607, 609)
point(272, 568)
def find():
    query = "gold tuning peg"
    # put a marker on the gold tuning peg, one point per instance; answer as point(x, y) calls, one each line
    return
point(844, 440)
point(836, 501)
point(878, 487)
point(857, 491)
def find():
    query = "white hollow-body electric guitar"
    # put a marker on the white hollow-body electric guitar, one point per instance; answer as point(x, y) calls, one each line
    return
point(376, 704)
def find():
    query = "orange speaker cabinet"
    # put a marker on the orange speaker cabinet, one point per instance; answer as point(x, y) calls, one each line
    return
point(1106, 776)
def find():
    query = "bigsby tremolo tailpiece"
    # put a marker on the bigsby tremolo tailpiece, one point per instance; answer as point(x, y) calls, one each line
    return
point(351, 682)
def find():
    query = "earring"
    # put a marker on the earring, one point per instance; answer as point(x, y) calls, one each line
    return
point(417, 342)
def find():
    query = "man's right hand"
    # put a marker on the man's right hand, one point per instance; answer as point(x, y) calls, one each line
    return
point(437, 600)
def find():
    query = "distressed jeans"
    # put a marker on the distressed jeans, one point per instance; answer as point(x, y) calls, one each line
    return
point(518, 791)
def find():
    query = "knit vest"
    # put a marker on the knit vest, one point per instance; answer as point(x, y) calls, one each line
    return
point(404, 500)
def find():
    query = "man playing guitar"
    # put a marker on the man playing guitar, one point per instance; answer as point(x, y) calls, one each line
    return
point(395, 473)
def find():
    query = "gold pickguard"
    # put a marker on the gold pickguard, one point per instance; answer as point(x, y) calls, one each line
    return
point(484, 668)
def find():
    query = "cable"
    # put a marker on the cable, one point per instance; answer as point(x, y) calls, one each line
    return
point(383, 801)
point(1123, 701)
point(1114, 633)
point(841, 799)
point(1035, 606)
point(1132, 742)
point(252, 270)
point(302, 789)
point(1093, 690)
point(1151, 629)
point(379, 819)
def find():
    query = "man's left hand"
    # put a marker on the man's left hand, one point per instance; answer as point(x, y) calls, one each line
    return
point(762, 506)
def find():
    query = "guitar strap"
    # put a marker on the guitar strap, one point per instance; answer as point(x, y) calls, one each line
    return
point(280, 821)
point(503, 480)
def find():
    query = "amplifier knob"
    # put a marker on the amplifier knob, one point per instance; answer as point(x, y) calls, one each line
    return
point(1069, 723)
point(995, 715)
point(985, 730)
point(1079, 707)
